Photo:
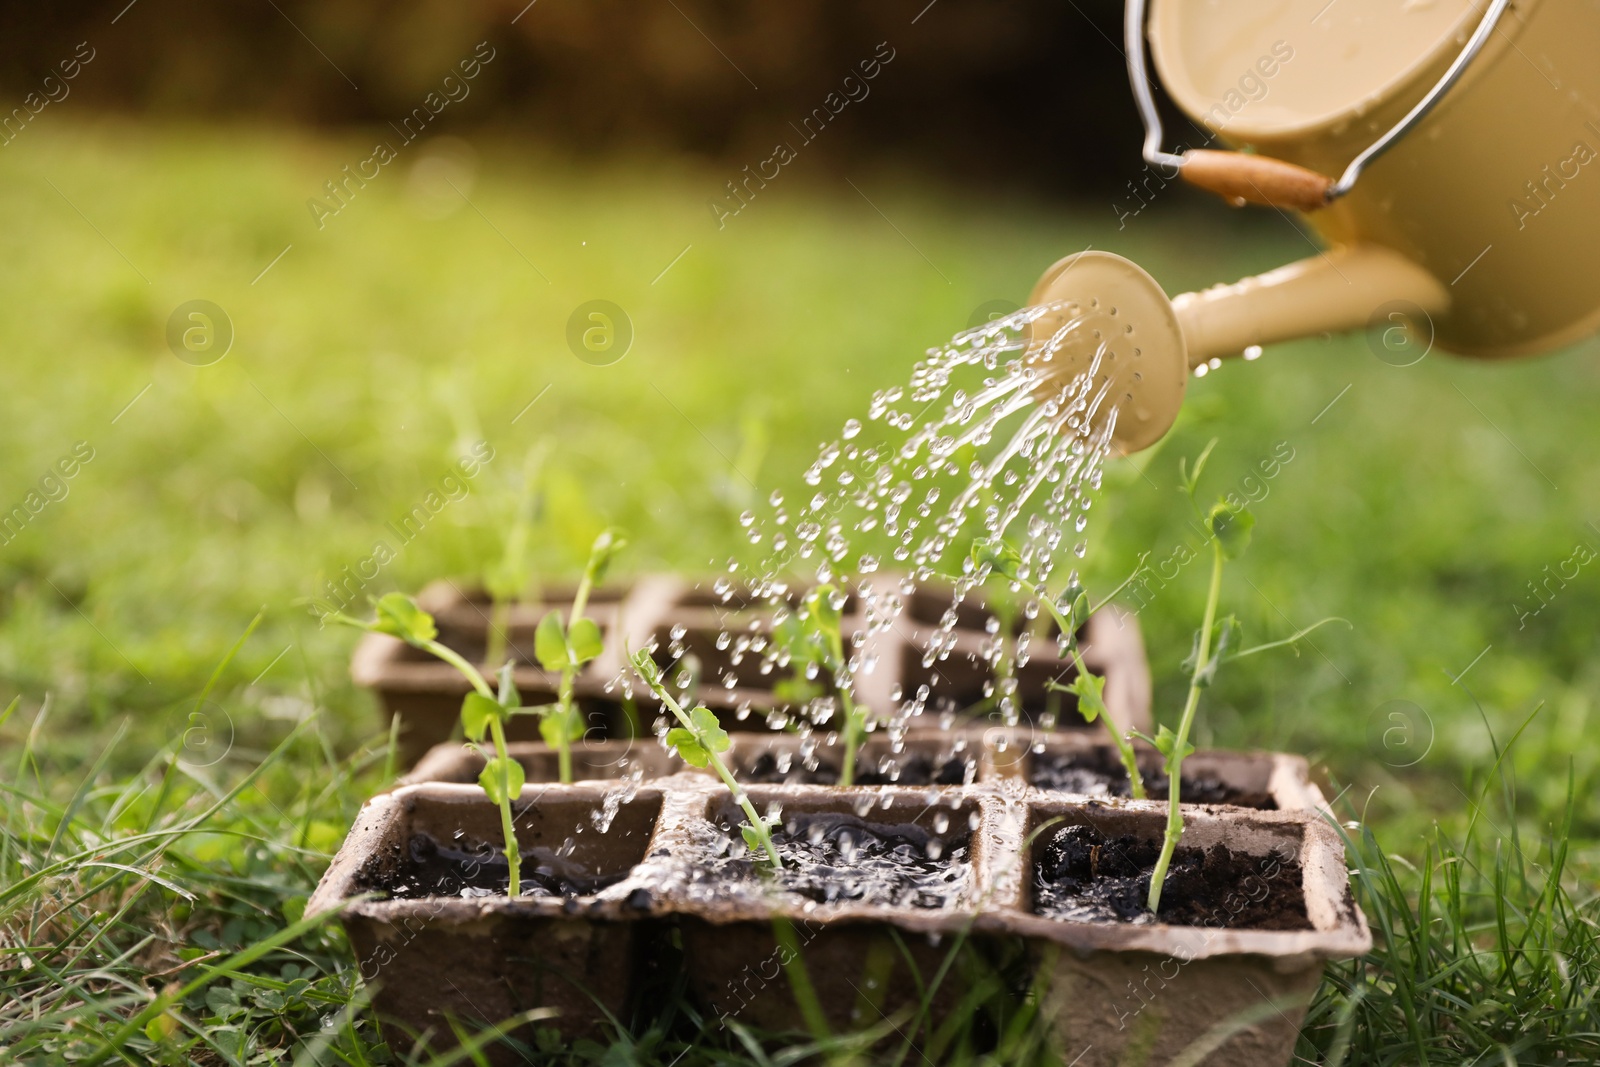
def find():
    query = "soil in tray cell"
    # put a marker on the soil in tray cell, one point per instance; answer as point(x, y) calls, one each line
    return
point(838, 858)
point(435, 868)
point(1082, 875)
point(906, 768)
point(1098, 772)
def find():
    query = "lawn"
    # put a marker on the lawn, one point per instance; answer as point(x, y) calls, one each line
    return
point(1424, 504)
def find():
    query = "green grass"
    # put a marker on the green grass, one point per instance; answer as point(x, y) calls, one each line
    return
point(374, 351)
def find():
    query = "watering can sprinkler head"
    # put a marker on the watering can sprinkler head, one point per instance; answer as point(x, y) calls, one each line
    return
point(1106, 318)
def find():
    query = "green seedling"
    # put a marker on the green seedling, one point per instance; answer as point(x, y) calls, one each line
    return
point(1229, 529)
point(1230, 534)
point(1070, 611)
point(565, 648)
point(510, 578)
point(484, 711)
point(814, 636)
point(700, 740)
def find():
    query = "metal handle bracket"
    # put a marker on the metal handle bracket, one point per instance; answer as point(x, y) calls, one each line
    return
point(1139, 79)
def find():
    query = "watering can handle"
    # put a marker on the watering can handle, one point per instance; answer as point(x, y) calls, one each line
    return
point(1237, 177)
point(1262, 179)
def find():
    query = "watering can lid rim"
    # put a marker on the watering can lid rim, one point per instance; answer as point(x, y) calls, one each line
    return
point(1202, 58)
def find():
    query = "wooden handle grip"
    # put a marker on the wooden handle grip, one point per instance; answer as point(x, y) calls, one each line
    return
point(1258, 179)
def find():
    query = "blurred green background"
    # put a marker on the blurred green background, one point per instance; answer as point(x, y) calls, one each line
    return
point(372, 347)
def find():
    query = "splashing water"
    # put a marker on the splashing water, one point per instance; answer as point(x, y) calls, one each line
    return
point(983, 442)
point(611, 801)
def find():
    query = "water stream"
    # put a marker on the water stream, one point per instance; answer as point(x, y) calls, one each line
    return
point(982, 442)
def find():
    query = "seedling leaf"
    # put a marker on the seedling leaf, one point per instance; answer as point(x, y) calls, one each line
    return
point(998, 556)
point(1189, 476)
point(688, 746)
point(1166, 743)
point(509, 697)
point(399, 616)
point(1074, 606)
point(792, 634)
point(1090, 691)
point(752, 838)
point(646, 666)
point(477, 711)
point(1225, 635)
point(603, 551)
point(1229, 632)
point(586, 641)
point(1231, 527)
point(709, 729)
point(550, 642)
point(1193, 658)
point(824, 617)
point(490, 779)
point(560, 728)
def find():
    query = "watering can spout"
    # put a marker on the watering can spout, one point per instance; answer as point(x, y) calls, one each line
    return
point(1108, 319)
point(1339, 290)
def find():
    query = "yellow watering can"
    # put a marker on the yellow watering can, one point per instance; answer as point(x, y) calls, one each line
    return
point(1447, 150)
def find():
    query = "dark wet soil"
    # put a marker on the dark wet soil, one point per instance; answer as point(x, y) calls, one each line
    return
point(839, 858)
point(433, 868)
point(908, 769)
point(1084, 876)
point(1099, 772)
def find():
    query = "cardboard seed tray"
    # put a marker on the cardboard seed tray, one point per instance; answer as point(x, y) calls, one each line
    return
point(426, 694)
point(487, 958)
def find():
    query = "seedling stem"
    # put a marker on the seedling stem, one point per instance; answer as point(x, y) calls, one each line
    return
point(854, 721)
point(500, 766)
point(1000, 558)
point(564, 746)
point(483, 709)
point(1169, 841)
point(566, 648)
point(700, 741)
point(456, 660)
point(1093, 708)
point(497, 730)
